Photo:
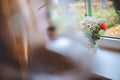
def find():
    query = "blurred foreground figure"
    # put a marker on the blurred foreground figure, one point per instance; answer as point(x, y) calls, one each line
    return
point(10, 66)
point(19, 33)
point(23, 37)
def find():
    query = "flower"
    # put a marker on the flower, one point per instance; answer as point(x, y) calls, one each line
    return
point(103, 26)
point(93, 28)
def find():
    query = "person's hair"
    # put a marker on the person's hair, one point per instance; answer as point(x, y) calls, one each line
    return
point(11, 47)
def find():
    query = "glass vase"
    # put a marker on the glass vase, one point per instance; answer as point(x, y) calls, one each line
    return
point(92, 48)
point(90, 45)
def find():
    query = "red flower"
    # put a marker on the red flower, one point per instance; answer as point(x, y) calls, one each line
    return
point(103, 26)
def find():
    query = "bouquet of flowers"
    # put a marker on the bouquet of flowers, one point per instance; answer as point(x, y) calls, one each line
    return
point(93, 28)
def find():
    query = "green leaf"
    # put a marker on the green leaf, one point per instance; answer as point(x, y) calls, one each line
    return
point(101, 32)
point(110, 25)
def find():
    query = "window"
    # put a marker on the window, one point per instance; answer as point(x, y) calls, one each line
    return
point(68, 13)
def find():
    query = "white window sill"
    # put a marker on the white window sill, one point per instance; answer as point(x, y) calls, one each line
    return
point(111, 43)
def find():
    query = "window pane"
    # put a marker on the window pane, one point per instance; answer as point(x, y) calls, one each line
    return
point(66, 13)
